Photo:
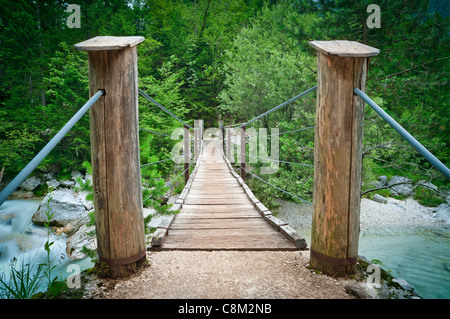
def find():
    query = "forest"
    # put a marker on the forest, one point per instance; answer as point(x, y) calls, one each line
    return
point(231, 61)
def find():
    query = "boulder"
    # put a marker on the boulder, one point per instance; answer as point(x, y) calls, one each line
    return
point(84, 237)
point(383, 179)
point(66, 205)
point(49, 176)
point(443, 213)
point(404, 189)
point(66, 183)
point(52, 183)
point(376, 184)
point(31, 183)
point(426, 184)
point(380, 199)
point(76, 174)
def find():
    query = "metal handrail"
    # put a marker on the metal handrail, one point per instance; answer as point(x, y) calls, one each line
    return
point(408, 137)
point(15, 183)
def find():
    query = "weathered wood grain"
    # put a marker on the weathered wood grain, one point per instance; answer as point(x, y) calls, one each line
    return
point(342, 66)
point(115, 153)
point(217, 214)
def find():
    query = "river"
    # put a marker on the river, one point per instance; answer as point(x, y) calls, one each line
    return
point(21, 239)
point(420, 255)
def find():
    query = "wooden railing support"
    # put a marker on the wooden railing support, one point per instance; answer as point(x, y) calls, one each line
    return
point(243, 152)
point(115, 153)
point(342, 66)
point(222, 132)
point(186, 150)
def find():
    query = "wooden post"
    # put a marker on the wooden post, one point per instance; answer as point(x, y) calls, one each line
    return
point(115, 153)
point(243, 152)
point(186, 150)
point(228, 144)
point(342, 66)
point(222, 132)
point(196, 140)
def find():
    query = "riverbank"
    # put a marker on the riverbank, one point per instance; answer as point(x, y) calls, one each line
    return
point(409, 240)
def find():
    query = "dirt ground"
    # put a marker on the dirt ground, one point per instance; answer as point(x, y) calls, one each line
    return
point(223, 274)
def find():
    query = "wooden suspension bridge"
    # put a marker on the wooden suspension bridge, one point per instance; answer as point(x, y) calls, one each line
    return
point(217, 208)
point(219, 212)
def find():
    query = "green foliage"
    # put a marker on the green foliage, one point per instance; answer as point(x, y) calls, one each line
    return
point(48, 265)
point(23, 282)
point(264, 68)
point(427, 197)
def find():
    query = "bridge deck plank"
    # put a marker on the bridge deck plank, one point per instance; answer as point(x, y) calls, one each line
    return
point(218, 215)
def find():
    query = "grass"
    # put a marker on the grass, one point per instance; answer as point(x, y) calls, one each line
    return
point(23, 282)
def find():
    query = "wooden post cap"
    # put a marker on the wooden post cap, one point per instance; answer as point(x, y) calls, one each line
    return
point(344, 48)
point(102, 43)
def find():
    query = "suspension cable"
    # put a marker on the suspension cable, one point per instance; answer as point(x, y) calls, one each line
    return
point(165, 160)
point(279, 161)
point(282, 190)
point(281, 105)
point(142, 93)
point(302, 129)
point(150, 131)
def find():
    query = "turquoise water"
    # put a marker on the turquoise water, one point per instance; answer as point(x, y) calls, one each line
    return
point(21, 239)
point(421, 257)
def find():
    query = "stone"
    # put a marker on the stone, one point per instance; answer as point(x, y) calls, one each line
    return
point(88, 177)
point(405, 189)
point(426, 184)
point(31, 183)
point(67, 184)
point(443, 213)
point(84, 237)
point(402, 282)
point(383, 179)
point(66, 205)
point(52, 183)
point(376, 184)
point(380, 199)
point(76, 174)
point(362, 290)
point(49, 176)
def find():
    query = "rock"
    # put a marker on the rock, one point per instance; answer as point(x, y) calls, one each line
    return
point(427, 185)
point(31, 183)
point(383, 179)
point(76, 174)
point(52, 183)
point(66, 205)
point(380, 199)
point(362, 290)
point(76, 242)
point(402, 282)
point(49, 176)
point(88, 177)
point(404, 189)
point(67, 184)
point(376, 184)
point(443, 213)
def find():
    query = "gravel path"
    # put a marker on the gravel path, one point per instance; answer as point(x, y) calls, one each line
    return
point(250, 274)
point(224, 274)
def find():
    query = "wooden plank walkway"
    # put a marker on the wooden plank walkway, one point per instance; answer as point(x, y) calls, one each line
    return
point(217, 214)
